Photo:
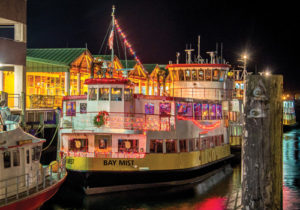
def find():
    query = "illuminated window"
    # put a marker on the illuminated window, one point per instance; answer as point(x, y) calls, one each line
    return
point(71, 108)
point(127, 94)
point(149, 108)
point(212, 111)
point(6, 159)
point(216, 75)
point(93, 94)
point(78, 145)
point(208, 75)
point(102, 142)
point(30, 81)
point(156, 146)
point(187, 75)
point(205, 110)
point(116, 94)
point(194, 75)
point(128, 145)
point(222, 75)
point(198, 111)
point(16, 158)
point(200, 75)
point(219, 111)
point(184, 109)
point(171, 146)
point(103, 94)
point(182, 145)
point(165, 109)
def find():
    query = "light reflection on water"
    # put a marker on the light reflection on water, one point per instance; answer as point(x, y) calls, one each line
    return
point(188, 197)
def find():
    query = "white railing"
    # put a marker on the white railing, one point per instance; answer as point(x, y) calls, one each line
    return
point(18, 187)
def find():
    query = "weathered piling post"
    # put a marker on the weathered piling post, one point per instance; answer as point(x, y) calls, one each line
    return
point(262, 144)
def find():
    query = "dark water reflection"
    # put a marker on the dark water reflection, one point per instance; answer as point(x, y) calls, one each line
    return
point(196, 196)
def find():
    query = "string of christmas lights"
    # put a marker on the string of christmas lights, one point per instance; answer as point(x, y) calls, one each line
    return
point(128, 45)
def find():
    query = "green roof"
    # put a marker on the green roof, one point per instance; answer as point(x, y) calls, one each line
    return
point(62, 56)
point(38, 65)
point(104, 57)
point(130, 63)
point(149, 67)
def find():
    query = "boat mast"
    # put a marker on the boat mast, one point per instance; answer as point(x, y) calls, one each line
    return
point(112, 31)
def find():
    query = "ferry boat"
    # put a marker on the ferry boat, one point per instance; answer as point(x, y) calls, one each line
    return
point(24, 183)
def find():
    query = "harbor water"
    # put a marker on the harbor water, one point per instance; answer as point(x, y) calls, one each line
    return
point(212, 194)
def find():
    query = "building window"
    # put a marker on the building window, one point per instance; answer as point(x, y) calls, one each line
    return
point(171, 146)
point(103, 94)
point(128, 145)
point(182, 145)
point(92, 94)
point(78, 145)
point(27, 157)
point(156, 146)
point(6, 159)
point(116, 94)
point(16, 158)
point(127, 94)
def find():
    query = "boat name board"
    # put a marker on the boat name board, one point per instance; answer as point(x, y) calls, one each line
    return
point(120, 162)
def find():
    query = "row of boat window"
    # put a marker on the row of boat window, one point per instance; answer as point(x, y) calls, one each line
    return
point(124, 145)
point(12, 158)
point(185, 145)
point(200, 75)
point(103, 94)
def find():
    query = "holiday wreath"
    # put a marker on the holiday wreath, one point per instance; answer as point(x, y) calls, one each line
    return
point(100, 119)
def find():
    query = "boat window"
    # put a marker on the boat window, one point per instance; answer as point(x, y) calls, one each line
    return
point(222, 75)
point(184, 109)
point(83, 108)
point(92, 94)
point(191, 145)
point(165, 109)
point(219, 111)
point(127, 94)
point(212, 111)
point(103, 94)
point(208, 75)
point(171, 146)
point(203, 144)
point(116, 94)
point(197, 144)
point(71, 108)
point(216, 74)
point(198, 111)
point(182, 145)
point(78, 145)
point(194, 75)
point(6, 159)
point(101, 142)
point(207, 142)
point(27, 157)
point(149, 108)
point(128, 145)
point(187, 75)
point(35, 153)
point(211, 141)
point(181, 75)
point(205, 109)
point(16, 158)
point(156, 146)
point(200, 75)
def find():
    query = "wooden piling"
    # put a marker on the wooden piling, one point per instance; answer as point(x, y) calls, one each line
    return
point(262, 144)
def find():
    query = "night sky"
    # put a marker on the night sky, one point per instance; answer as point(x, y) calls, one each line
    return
point(158, 29)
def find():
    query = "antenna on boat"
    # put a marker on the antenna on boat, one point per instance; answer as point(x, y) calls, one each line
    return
point(221, 52)
point(198, 57)
point(177, 57)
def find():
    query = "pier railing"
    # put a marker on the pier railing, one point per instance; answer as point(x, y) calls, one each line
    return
point(19, 187)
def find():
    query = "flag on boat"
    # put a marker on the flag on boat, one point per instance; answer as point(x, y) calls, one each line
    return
point(111, 40)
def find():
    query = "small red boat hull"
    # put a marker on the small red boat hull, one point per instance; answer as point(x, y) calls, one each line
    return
point(35, 200)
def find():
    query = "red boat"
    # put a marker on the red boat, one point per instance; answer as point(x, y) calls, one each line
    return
point(24, 182)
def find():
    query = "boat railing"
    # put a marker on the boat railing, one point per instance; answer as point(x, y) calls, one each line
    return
point(130, 121)
point(19, 187)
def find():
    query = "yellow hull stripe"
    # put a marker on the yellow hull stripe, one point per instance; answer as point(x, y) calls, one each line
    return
point(152, 161)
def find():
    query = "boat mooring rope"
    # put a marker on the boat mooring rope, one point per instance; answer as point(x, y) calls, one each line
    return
point(51, 139)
